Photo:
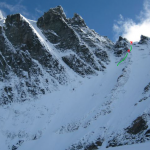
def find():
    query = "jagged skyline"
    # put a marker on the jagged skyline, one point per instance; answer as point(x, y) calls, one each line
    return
point(108, 18)
point(61, 88)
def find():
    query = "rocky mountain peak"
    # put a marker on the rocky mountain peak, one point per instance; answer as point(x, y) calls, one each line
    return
point(58, 11)
point(143, 39)
point(25, 56)
point(53, 19)
point(75, 68)
point(73, 35)
point(121, 40)
point(121, 46)
point(13, 18)
point(77, 20)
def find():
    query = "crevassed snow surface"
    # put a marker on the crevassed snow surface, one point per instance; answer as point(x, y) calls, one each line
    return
point(82, 109)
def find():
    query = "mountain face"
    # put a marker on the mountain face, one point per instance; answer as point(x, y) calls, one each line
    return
point(61, 88)
point(26, 56)
point(73, 36)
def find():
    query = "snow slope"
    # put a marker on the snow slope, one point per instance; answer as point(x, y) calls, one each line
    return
point(83, 110)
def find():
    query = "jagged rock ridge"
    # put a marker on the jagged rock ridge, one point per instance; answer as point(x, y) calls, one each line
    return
point(73, 34)
point(25, 57)
point(29, 67)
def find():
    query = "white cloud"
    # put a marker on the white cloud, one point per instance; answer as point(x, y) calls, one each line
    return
point(18, 8)
point(131, 30)
point(121, 17)
point(39, 11)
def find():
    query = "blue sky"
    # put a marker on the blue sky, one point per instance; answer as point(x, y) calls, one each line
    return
point(107, 17)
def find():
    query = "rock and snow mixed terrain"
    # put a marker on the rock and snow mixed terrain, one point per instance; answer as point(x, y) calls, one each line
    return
point(61, 88)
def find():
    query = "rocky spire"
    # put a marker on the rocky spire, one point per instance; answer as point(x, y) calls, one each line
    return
point(77, 20)
point(121, 46)
point(143, 39)
point(58, 10)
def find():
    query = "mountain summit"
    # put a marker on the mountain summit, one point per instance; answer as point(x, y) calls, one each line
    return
point(61, 88)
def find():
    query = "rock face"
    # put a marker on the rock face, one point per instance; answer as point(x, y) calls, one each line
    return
point(138, 126)
point(23, 56)
point(73, 34)
point(143, 39)
point(77, 65)
point(36, 59)
point(35, 70)
point(137, 132)
point(21, 36)
point(147, 88)
point(121, 46)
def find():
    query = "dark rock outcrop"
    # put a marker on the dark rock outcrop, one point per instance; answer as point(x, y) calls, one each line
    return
point(77, 65)
point(73, 34)
point(138, 126)
point(91, 147)
point(137, 132)
point(24, 57)
point(77, 20)
point(27, 44)
point(143, 40)
point(121, 46)
point(147, 88)
point(54, 26)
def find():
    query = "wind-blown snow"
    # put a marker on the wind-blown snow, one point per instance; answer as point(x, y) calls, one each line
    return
point(2, 19)
point(1, 15)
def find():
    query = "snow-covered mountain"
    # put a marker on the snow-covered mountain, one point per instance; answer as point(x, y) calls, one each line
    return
point(61, 88)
